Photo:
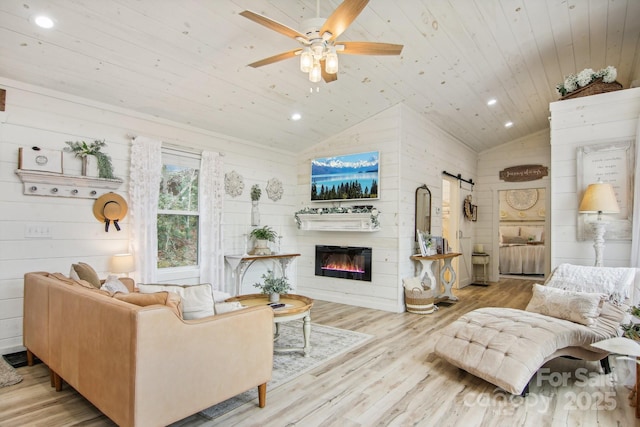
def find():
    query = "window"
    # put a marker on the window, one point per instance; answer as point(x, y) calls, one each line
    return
point(178, 215)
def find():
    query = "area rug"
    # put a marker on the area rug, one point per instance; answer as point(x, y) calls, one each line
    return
point(8, 375)
point(326, 344)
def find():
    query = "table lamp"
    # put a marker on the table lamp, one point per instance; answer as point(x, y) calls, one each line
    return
point(122, 263)
point(599, 198)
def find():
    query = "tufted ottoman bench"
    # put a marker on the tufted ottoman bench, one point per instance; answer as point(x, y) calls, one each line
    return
point(506, 346)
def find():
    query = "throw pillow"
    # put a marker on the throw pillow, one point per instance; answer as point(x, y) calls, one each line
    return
point(113, 285)
point(578, 307)
point(84, 271)
point(165, 298)
point(533, 232)
point(225, 307)
point(197, 300)
point(511, 240)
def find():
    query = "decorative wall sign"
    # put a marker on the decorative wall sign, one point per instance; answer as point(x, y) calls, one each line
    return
point(523, 173)
point(233, 184)
point(611, 163)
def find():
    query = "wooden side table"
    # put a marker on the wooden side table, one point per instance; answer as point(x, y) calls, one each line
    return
point(427, 273)
point(296, 307)
point(630, 348)
point(241, 263)
point(481, 259)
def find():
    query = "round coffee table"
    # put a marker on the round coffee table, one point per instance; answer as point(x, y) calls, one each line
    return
point(296, 307)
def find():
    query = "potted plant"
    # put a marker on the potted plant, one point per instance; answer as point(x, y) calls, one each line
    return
point(273, 286)
point(83, 150)
point(263, 236)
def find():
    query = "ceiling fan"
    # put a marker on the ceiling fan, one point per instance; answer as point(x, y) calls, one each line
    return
point(318, 54)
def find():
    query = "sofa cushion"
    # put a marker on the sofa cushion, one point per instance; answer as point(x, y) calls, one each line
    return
point(579, 307)
point(113, 285)
point(197, 300)
point(169, 299)
point(84, 271)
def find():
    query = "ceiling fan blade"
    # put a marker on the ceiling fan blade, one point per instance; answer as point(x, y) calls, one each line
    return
point(328, 78)
point(273, 25)
point(275, 58)
point(369, 48)
point(342, 17)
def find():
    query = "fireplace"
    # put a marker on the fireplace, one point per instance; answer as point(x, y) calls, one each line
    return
point(344, 262)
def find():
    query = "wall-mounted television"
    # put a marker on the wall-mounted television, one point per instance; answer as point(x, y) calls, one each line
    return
point(347, 177)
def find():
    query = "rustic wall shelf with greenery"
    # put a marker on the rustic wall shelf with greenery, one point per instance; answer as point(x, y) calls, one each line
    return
point(37, 183)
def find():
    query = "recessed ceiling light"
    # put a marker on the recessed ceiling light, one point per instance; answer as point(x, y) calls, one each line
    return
point(492, 101)
point(508, 124)
point(296, 116)
point(43, 21)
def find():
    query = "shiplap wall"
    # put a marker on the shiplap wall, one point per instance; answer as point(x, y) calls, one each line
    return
point(413, 152)
point(576, 123)
point(531, 150)
point(39, 117)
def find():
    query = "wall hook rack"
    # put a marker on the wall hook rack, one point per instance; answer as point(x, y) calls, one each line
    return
point(460, 178)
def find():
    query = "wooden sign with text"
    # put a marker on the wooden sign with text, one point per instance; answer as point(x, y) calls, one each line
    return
point(524, 173)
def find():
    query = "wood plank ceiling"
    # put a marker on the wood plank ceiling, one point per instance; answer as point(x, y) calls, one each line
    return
point(186, 61)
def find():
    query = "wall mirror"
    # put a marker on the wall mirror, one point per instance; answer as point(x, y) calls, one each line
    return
point(423, 210)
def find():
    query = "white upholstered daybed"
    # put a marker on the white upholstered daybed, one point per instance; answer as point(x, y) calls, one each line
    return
point(506, 346)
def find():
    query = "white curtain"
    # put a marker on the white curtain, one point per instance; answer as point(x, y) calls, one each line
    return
point(635, 231)
point(144, 189)
point(211, 198)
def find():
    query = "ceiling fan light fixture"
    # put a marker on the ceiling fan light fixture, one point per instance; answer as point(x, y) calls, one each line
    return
point(331, 66)
point(306, 60)
point(316, 72)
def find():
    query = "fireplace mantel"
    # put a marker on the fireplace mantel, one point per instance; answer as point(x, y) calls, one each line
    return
point(362, 222)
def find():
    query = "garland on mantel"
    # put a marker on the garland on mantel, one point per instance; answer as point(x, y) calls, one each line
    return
point(339, 210)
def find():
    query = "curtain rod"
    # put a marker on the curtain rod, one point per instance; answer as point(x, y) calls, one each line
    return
point(459, 178)
point(184, 148)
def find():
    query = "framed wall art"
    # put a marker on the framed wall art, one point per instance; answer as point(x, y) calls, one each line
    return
point(612, 163)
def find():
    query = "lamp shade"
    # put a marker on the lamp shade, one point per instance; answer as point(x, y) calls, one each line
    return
point(122, 263)
point(600, 198)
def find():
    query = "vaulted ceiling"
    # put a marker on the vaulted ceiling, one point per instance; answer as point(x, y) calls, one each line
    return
point(187, 61)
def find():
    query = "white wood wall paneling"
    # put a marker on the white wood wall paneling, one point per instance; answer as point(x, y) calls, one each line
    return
point(533, 65)
point(519, 83)
point(453, 88)
point(50, 119)
point(558, 16)
point(574, 124)
point(628, 49)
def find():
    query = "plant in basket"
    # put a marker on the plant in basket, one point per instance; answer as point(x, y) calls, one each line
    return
point(574, 82)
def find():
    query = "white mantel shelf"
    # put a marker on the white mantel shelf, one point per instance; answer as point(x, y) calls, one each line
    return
point(37, 183)
point(337, 222)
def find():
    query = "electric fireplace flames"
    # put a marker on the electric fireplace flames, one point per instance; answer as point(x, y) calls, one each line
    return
point(344, 262)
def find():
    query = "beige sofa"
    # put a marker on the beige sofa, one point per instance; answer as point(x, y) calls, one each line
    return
point(144, 366)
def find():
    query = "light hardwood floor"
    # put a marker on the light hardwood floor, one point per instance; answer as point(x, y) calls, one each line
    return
point(391, 380)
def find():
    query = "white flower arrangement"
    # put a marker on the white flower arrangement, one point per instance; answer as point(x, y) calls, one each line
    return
point(575, 81)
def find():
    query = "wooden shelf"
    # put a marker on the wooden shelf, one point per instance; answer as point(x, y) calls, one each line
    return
point(338, 222)
point(37, 183)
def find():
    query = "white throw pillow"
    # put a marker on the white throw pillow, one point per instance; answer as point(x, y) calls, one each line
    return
point(113, 285)
point(225, 307)
point(578, 307)
point(197, 300)
point(533, 232)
